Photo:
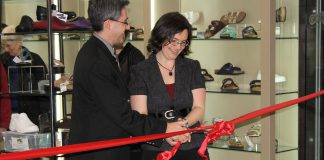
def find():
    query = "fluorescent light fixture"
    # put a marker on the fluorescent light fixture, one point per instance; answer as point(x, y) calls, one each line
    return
point(152, 13)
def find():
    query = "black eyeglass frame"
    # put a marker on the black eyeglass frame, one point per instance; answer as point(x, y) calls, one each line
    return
point(126, 23)
point(175, 42)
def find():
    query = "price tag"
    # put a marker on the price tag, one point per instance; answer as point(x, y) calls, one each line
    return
point(17, 60)
point(19, 143)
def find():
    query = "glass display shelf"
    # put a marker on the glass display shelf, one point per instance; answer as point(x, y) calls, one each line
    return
point(226, 39)
point(221, 144)
point(238, 39)
point(283, 38)
point(246, 91)
point(85, 34)
point(34, 93)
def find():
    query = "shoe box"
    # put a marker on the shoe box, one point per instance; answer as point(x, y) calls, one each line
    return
point(14, 141)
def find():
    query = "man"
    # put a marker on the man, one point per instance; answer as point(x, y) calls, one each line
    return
point(100, 108)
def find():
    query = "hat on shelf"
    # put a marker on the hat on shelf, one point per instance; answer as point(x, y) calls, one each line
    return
point(10, 29)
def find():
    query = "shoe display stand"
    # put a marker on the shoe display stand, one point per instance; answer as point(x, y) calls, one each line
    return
point(212, 54)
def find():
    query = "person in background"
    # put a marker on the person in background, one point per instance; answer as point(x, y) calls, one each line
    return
point(15, 54)
point(5, 101)
point(100, 101)
point(170, 86)
point(128, 56)
point(5, 104)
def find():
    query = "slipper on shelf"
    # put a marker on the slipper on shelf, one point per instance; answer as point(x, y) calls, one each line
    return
point(229, 85)
point(206, 75)
point(233, 17)
point(228, 32)
point(249, 32)
point(215, 27)
point(255, 86)
point(229, 69)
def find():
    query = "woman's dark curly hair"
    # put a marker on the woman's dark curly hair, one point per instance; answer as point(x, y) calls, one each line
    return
point(164, 30)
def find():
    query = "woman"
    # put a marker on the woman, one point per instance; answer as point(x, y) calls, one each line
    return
point(170, 86)
point(13, 57)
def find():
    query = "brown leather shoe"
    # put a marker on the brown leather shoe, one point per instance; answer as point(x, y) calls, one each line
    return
point(215, 27)
point(233, 17)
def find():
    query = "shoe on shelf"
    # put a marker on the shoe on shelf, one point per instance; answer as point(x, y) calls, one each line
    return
point(228, 32)
point(22, 124)
point(281, 14)
point(206, 75)
point(81, 23)
point(58, 66)
point(57, 25)
point(229, 69)
point(233, 17)
point(249, 32)
point(255, 86)
point(278, 78)
point(235, 142)
point(25, 24)
point(215, 27)
point(254, 131)
point(65, 83)
point(191, 16)
point(2, 27)
point(229, 85)
point(41, 13)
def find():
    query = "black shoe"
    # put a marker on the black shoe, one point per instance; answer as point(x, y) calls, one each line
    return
point(25, 24)
point(71, 15)
point(2, 27)
point(41, 13)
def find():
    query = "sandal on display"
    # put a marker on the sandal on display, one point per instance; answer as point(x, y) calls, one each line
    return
point(206, 75)
point(233, 17)
point(215, 27)
point(58, 66)
point(254, 131)
point(65, 83)
point(281, 14)
point(228, 32)
point(229, 85)
point(234, 142)
point(249, 32)
point(229, 69)
point(255, 86)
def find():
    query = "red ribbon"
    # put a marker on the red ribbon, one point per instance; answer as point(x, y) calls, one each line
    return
point(216, 130)
point(220, 129)
point(169, 154)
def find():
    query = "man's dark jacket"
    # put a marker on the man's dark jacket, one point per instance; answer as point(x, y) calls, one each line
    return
point(100, 106)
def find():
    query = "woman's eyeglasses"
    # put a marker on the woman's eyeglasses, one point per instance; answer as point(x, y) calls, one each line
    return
point(175, 42)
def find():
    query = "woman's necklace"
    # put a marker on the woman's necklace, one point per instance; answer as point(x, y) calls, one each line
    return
point(170, 70)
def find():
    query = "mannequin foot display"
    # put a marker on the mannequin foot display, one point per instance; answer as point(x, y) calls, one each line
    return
point(22, 124)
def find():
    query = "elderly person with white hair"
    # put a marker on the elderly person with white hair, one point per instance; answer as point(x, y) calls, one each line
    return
point(15, 54)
